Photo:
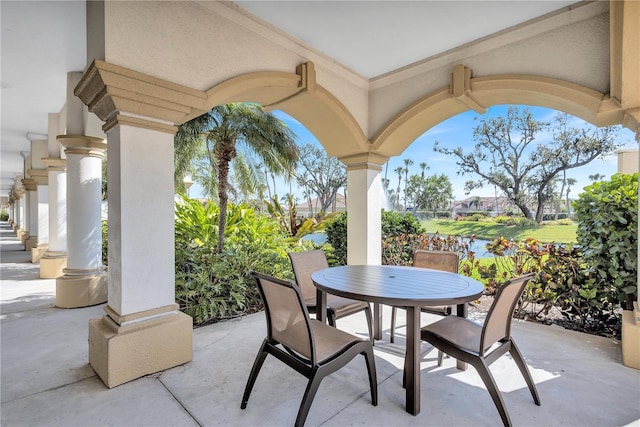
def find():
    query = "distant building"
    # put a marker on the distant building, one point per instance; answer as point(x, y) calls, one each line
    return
point(312, 207)
point(491, 205)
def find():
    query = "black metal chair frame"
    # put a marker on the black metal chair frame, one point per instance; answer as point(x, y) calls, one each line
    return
point(481, 359)
point(315, 370)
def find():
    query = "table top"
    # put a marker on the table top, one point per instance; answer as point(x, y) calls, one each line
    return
point(398, 285)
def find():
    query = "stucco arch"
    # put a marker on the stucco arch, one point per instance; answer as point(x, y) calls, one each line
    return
point(465, 93)
point(299, 96)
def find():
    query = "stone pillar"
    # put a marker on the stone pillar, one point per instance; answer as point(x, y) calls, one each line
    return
point(30, 239)
point(55, 259)
point(84, 282)
point(364, 204)
point(41, 177)
point(143, 331)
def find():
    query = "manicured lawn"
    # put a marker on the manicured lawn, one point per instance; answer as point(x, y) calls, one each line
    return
point(490, 230)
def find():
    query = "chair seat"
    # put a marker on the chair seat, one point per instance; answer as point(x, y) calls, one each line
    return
point(460, 332)
point(340, 306)
point(330, 341)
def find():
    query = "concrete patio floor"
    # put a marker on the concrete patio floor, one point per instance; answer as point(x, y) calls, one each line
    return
point(46, 379)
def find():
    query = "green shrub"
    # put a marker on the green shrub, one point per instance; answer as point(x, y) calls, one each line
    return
point(393, 224)
point(607, 216)
point(519, 221)
point(210, 286)
point(105, 242)
point(4, 215)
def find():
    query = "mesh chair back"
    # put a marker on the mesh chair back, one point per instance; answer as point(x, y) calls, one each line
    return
point(304, 264)
point(287, 316)
point(438, 260)
point(497, 325)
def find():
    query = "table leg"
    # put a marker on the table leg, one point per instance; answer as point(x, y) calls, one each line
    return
point(462, 312)
point(412, 362)
point(321, 305)
point(377, 321)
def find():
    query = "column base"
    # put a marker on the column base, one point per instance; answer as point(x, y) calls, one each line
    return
point(14, 226)
point(81, 290)
point(120, 354)
point(38, 252)
point(52, 265)
point(20, 234)
point(631, 337)
point(30, 242)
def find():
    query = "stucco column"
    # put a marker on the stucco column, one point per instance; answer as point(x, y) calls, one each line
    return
point(143, 331)
point(364, 204)
point(55, 259)
point(20, 193)
point(41, 177)
point(29, 238)
point(84, 282)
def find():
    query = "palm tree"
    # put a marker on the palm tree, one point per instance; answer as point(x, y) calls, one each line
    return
point(407, 163)
point(423, 167)
point(399, 170)
point(220, 135)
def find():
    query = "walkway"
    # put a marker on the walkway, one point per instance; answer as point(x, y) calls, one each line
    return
point(46, 379)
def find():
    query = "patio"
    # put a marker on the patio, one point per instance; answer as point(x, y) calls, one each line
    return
point(46, 378)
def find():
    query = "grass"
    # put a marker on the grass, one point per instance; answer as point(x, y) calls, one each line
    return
point(546, 233)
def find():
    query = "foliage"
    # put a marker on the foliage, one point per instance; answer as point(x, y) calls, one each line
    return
point(105, 242)
point(486, 230)
point(224, 140)
point(212, 286)
point(336, 230)
point(393, 224)
point(4, 215)
point(320, 175)
point(399, 249)
point(563, 282)
point(292, 225)
point(508, 156)
point(430, 193)
point(519, 221)
point(607, 216)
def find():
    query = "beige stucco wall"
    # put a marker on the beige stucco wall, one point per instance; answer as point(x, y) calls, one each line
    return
point(554, 47)
point(190, 46)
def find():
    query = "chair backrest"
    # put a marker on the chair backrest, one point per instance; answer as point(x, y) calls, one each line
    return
point(287, 316)
point(304, 264)
point(497, 325)
point(438, 260)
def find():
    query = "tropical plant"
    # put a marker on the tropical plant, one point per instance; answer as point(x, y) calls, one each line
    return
point(230, 136)
point(291, 224)
point(607, 216)
point(212, 286)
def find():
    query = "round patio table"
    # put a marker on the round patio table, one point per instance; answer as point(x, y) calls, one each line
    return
point(408, 287)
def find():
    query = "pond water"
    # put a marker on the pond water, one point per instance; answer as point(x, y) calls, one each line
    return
point(478, 246)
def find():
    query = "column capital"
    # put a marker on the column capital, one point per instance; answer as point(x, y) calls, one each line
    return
point(55, 164)
point(19, 193)
point(29, 184)
point(84, 145)
point(367, 160)
point(110, 90)
point(41, 176)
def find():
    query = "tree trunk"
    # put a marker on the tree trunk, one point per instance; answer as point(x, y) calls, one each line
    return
point(225, 152)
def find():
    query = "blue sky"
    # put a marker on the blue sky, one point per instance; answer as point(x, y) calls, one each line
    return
point(458, 132)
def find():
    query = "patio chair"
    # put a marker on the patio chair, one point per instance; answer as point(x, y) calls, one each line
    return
point(480, 346)
point(437, 260)
point(308, 262)
point(310, 347)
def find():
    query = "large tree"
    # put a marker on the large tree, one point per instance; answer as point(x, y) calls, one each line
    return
point(429, 192)
point(509, 154)
point(233, 134)
point(320, 174)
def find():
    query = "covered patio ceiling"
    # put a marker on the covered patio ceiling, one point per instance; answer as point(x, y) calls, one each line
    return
point(42, 41)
